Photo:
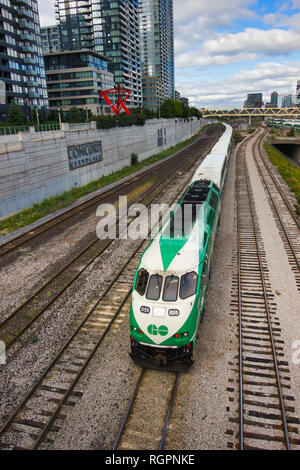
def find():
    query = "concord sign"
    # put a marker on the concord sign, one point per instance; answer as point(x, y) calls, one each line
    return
point(84, 154)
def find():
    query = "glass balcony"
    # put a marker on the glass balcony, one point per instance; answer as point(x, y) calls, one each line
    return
point(24, 12)
point(30, 60)
point(33, 94)
point(24, 2)
point(32, 83)
point(27, 37)
point(28, 49)
point(24, 24)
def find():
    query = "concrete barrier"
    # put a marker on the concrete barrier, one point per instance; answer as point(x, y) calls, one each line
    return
point(36, 165)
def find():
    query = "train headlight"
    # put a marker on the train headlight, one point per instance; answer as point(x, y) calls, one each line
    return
point(144, 309)
point(136, 330)
point(173, 312)
point(185, 334)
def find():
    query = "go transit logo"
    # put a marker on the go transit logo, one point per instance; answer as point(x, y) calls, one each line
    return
point(154, 331)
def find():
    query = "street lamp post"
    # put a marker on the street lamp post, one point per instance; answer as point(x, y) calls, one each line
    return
point(37, 116)
point(87, 112)
point(59, 117)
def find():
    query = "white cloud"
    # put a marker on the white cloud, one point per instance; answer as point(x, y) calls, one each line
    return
point(228, 48)
point(280, 20)
point(199, 58)
point(265, 78)
point(273, 42)
point(211, 13)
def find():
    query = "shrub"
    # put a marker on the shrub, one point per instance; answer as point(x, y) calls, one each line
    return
point(134, 159)
point(15, 114)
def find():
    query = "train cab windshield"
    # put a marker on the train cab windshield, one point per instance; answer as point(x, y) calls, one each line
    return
point(153, 285)
point(188, 285)
point(171, 289)
point(142, 281)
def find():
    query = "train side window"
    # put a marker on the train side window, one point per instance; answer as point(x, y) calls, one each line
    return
point(213, 200)
point(141, 282)
point(188, 285)
point(204, 269)
point(211, 218)
point(171, 289)
point(154, 287)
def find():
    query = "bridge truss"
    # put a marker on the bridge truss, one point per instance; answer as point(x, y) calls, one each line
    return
point(253, 112)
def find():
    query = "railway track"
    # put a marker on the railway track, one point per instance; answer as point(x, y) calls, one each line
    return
point(39, 416)
point(284, 214)
point(18, 321)
point(267, 417)
point(62, 221)
point(145, 423)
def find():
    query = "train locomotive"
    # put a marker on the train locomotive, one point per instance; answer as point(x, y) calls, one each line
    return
point(169, 289)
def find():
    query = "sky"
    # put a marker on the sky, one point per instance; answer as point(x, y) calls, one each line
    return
point(225, 49)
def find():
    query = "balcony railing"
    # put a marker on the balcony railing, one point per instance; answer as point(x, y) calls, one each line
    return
point(24, 2)
point(30, 60)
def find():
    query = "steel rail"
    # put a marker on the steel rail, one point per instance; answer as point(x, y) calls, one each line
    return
point(241, 148)
point(267, 310)
point(131, 404)
point(170, 407)
point(241, 403)
point(129, 408)
point(284, 198)
point(282, 405)
point(274, 204)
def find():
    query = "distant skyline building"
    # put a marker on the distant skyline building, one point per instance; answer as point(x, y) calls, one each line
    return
point(157, 51)
point(110, 28)
point(298, 94)
point(287, 101)
point(255, 100)
point(21, 56)
point(274, 98)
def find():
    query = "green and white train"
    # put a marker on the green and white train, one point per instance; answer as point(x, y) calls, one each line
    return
point(170, 285)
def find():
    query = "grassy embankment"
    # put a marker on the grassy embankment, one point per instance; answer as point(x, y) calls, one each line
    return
point(289, 172)
point(54, 203)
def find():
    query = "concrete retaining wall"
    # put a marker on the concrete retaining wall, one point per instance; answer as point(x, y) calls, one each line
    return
point(35, 166)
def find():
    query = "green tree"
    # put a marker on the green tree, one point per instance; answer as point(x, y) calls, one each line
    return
point(15, 114)
point(195, 112)
point(76, 115)
point(53, 116)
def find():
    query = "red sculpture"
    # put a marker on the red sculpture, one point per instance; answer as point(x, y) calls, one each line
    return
point(120, 103)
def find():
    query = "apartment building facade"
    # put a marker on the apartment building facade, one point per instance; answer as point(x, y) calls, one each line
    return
point(109, 28)
point(157, 51)
point(75, 78)
point(51, 39)
point(21, 56)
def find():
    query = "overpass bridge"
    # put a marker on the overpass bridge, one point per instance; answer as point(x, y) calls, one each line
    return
point(252, 112)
